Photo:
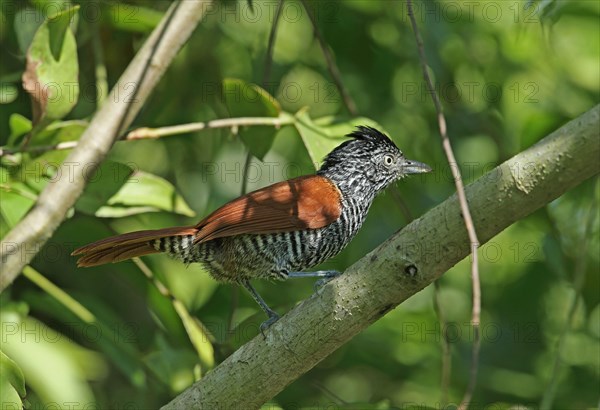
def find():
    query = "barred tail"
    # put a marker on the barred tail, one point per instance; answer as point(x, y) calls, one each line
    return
point(127, 246)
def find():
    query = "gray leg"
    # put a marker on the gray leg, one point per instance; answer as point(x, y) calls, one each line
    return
point(273, 316)
point(317, 274)
point(325, 275)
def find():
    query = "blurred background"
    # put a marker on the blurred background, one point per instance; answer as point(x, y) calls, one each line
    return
point(508, 73)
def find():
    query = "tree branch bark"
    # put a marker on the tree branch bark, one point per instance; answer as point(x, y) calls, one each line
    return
point(24, 241)
point(400, 267)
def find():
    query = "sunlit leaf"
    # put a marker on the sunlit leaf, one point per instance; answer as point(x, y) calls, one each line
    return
point(197, 335)
point(321, 136)
point(17, 199)
point(145, 192)
point(55, 368)
point(105, 182)
point(19, 126)
point(12, 383)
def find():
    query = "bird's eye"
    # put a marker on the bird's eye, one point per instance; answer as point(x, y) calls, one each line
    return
point(388, 160)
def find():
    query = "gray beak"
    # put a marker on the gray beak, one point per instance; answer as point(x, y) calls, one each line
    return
point(414, 167)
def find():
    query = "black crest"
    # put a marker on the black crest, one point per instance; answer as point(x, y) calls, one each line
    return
point(370, 134)
point(365, 142)
point(364, 132)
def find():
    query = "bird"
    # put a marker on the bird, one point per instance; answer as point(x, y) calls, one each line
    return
point(280, 231)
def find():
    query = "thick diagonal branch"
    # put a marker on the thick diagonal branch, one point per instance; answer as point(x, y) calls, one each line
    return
point(399, 268)
point(126, 99)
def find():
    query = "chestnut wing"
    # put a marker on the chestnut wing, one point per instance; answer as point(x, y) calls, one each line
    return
point(308, 202)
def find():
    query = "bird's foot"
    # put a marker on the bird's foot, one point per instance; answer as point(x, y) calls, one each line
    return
point(328, 276)
point(273, 317)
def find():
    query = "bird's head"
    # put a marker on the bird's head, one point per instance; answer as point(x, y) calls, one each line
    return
point(369, 161)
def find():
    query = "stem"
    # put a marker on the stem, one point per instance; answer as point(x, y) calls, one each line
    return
point(60, 295)
point(464, 207)
point(100, 67)
point(271, 44)
point(155, 133)
point(331, 65)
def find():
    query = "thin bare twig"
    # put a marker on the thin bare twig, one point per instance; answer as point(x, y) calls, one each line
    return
point(464, 207)
point(271, 44)
point(331, 65)
point(154, 133)
point(235, 290)
point(266, 76)
point(181, 310)
point(143, 133)
point(20, 192)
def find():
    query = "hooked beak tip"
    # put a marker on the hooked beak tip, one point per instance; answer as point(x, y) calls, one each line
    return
point(415, 167)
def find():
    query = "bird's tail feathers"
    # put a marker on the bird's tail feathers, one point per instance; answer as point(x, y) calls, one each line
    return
point(122, 247)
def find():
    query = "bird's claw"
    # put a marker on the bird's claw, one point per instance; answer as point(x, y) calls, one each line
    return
point(322, 282)
point(273, 317)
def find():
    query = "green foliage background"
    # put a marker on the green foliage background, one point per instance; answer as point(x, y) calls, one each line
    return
point(509, 72)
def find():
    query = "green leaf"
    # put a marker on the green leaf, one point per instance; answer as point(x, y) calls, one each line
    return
point(249, 100)
point(144, 192)
point(245, 100)
point(106, 181)
point(12, 382)
point(197, 335)
point(57, 369)
point(17, 199)
point(57, 28)
point(19, 126)
point(55, 133)
point(51, 76)
point(321, 136)
point(26, 23)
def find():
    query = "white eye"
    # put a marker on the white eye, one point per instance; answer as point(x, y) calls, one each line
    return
point(388, 160)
